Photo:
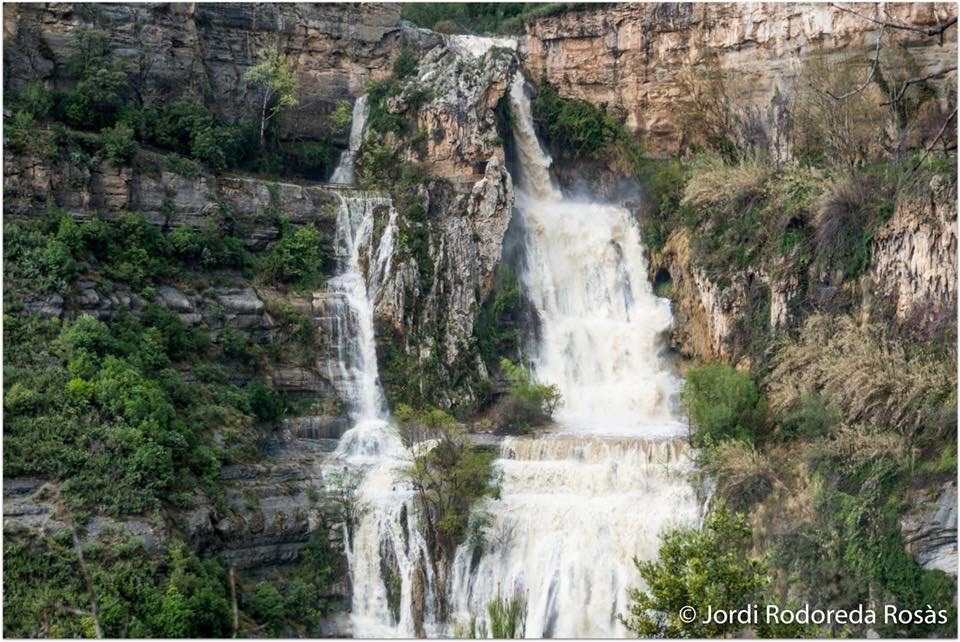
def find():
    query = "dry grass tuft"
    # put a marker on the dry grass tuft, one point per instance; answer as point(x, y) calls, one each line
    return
point(713, 183)
point(876, 386)
point(743, 474)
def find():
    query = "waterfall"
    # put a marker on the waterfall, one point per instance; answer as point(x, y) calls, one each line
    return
point(364, 257)
point(343, 174)
point(578, 503)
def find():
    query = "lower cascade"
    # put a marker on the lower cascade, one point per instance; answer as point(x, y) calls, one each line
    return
point(577, 503)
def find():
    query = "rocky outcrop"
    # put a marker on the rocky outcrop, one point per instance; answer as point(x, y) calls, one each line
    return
point(914, 265)
point(32, 184)
point(459, 121)
point(205, 49)
point(930, 529)
point(630, 56)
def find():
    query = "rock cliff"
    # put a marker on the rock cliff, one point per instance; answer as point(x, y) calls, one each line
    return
point(630, 56)
point(205, 48)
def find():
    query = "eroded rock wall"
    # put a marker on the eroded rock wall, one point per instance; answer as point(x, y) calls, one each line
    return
point(630, 56)
point(205, 49)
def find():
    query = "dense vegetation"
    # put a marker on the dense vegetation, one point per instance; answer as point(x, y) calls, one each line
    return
point(131, 416)
point(701, 569)
point(448, 474)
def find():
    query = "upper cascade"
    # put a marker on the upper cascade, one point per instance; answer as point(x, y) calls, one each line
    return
point(602, 326)
point(343, 174)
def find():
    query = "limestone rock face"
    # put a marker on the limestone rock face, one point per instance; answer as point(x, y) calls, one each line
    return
point(205, 49)
point(161, 196)
point(459, 119)
point(630, 55)
point(930, 530)
point(704, 312)
point(466, 246)
point(914, 263)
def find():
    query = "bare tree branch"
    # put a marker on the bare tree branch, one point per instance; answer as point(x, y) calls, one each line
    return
point(936, 30)
point(913, 81)
point(930, 147)
point(873, 70)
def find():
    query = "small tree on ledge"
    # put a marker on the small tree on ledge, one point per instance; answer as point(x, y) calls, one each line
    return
point(279, 83)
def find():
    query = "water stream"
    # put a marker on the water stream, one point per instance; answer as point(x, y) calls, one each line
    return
point(577, 503)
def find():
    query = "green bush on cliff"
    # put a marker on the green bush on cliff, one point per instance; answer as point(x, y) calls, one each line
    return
point(297, 257)
point(449, 474)
point(174, 594)
point(722, 403)
point(577, 129)
point(701, 569)
point(527, 404)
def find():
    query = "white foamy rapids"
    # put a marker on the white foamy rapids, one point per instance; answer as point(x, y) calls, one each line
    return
point(389, 561)
point(573, 512)
point(534, 163)
point(366, 230)
point(477, 46)
point(602, 326)
point(343, 174)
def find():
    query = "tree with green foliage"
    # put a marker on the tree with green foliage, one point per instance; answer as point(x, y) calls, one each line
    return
point(119, 146)
point(278, 82)
point(722, 403)
point(102, 83)
point(296, 257)
point(708, 568)
point(267, 606)
point(447, 473)
point(527, 403)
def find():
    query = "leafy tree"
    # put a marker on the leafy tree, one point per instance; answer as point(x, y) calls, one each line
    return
point(722, 403)
point(341, 118)
point(700, 569)
point(119, 146)
point(102, 82)
point(527, 403)
point(297, 257)
point(447, 472)
point(278, 82)
point(267, 606)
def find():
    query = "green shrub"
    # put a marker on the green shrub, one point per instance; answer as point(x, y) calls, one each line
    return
point(102, 84)
point(577, 129)
point(405, 64)
point(267, 607)
point(341, 118)
point(450, 476)
point(296, 257)
point(527, 404)
point(119, 147)
point(497, 328)
point(708, 568)
point(265, 404)
point(722, 403)
point(35, 100)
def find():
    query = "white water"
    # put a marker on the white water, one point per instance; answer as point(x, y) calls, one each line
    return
point(386, 536)
point(365, 263)
point(343, 174)
point(578, 504)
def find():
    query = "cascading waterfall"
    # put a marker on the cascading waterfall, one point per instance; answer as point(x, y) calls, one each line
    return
point(577, 505)
point(387, 554)
point(354, 295)
point(343, 174)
